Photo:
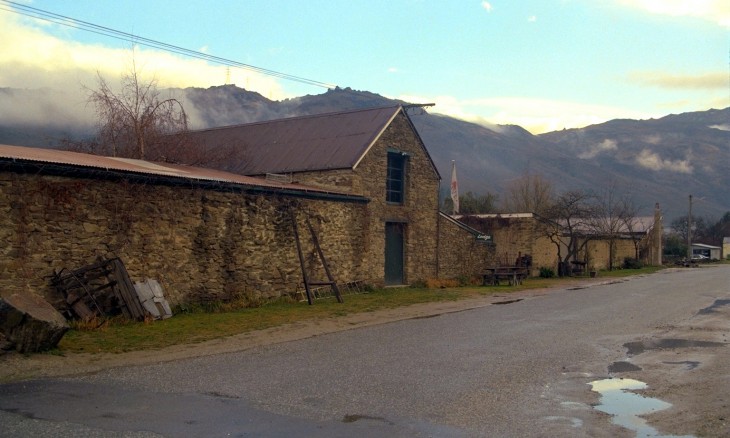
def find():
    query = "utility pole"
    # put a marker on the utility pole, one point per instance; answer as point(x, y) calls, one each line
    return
point(689, 230)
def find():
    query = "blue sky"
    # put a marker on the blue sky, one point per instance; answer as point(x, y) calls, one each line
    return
point(541, 64)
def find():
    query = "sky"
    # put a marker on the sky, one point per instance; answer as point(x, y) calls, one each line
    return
point(541, 64)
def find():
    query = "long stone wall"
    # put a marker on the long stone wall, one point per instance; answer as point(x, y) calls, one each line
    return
point(460, 254)
point(517, 236)
point(201, 244)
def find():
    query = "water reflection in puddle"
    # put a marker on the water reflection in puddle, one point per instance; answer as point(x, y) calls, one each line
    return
point(626, 407)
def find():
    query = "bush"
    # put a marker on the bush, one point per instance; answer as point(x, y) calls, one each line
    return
point(463, 280)
point(632, 263)
point(547, 273)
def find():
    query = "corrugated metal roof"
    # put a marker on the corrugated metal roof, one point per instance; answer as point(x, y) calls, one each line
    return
point(128, 165)
point(640, 224)
point(318, 142)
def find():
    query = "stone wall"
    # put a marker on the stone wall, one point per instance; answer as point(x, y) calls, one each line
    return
point(597, 253)
point(460, 255)
point(419, 211)
point(516, 236)
point(201, 244)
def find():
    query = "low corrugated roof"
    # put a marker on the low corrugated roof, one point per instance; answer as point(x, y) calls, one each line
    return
point(455, 219)
point(133, 166)
point(640, 224)
point(298, 144)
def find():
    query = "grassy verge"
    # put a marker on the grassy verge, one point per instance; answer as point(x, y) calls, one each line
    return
point(121, 336)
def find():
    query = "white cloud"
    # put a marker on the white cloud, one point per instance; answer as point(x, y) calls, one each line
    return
point(535, 115)
point(717, 11)
point(487, 6)
point(606, 145)
point(652, 160)
point(653, 139)
point(33, 58)
point(532, 18)
point(724, 127)
point(393, 70)
point(700, 81)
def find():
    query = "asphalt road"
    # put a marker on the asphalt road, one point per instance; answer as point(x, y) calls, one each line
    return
point(517, 369)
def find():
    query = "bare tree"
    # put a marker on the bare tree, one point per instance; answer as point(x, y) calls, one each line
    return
point(531, 193)
point(136, 122)
point(630, 219)
point(569, 225)
point(609, 218)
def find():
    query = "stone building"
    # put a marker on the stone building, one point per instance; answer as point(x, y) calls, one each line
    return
point(363, 179)
point(517, 235)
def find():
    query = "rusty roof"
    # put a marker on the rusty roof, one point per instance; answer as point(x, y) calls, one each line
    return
point(317, 142)
point(20, 154)
point(639, 224)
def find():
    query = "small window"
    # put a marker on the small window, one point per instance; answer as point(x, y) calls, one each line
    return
point(395, 184)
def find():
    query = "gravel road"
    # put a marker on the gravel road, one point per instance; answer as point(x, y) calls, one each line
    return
point(477, 368)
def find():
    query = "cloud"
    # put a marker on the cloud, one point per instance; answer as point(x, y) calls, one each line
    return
point(487, 6)
point(704, 81)
point(32, 57)
point(724, 127)
point(652, 160)
point(532, 18)
point(654, 139)
point(45, 107)
point(596, 149)
point(535, 115)
point(393, 70)
point(717, 11)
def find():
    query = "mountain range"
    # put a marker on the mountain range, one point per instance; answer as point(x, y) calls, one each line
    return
point(653, 161)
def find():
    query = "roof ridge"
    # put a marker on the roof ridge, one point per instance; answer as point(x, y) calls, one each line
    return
point(300, 117)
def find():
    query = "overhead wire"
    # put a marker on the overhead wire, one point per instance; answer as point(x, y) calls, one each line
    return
point(32, 12)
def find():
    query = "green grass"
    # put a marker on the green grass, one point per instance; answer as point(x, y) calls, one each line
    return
point(118, 336)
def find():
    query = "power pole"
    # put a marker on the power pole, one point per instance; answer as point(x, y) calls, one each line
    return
point(689, 230)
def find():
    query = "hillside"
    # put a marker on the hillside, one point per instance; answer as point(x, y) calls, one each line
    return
point(659, 160)
point(665, 159)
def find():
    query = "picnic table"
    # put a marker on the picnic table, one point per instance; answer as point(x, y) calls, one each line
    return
point(513, 274)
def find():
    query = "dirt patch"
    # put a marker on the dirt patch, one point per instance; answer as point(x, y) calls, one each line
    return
point(685, 366)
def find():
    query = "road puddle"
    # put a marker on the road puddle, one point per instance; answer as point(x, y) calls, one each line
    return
point(627, 407)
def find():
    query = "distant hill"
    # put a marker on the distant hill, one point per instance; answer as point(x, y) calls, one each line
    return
point(662, 160)
point(666, 159)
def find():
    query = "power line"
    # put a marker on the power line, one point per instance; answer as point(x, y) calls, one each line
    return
point(32, 12)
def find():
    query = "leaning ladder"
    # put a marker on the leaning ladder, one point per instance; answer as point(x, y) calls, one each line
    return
point(307, 283)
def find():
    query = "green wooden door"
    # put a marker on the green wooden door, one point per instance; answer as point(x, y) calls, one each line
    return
point(394, 252)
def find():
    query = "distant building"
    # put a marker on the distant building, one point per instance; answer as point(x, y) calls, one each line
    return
point(709, 252)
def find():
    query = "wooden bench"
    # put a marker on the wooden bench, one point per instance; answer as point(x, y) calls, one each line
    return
point(514, 275)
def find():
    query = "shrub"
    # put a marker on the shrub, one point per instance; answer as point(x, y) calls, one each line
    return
point(463, 280)
point(547, 272)
point(632, 263)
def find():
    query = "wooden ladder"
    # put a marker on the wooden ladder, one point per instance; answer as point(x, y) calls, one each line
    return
point(307, 283)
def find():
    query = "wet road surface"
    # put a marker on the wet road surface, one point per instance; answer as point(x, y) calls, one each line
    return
point(518, 369)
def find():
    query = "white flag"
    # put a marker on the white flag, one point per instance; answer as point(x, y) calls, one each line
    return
point(454, 188)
